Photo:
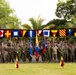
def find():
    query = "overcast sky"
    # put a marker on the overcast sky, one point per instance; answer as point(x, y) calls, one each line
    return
point(25, 9)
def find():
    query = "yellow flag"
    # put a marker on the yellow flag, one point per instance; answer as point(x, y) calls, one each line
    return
point(37, 42)
point(54, 32)
point(75, 34)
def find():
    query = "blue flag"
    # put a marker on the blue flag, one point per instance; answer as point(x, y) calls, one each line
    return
point(31, 49)
point(15, 33)
point(31, 33)
point(69, 31)
point(46, 33)
point(36, 52)
point(37, 49)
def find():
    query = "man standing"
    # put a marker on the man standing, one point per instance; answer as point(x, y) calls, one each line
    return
point(54, 54)
point(48, 51)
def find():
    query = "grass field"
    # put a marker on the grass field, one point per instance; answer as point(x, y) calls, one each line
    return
point(38, 69)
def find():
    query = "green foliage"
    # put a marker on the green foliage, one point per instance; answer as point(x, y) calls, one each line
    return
point(66, 9)
point(7, 17)
point(72, 23)
point(57, 23)
point(35, 24)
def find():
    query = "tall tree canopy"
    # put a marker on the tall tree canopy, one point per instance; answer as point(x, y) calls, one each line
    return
point(7, 17)
point(66, 9)
point(57, 23)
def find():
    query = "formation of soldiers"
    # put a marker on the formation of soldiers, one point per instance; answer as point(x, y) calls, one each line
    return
point(9, 50)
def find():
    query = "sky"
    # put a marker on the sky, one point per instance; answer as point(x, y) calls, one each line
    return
point(25, 9)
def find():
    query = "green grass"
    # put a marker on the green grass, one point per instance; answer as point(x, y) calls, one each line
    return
point(38, 69)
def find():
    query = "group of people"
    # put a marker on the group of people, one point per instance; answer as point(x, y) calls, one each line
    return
point(54, 49)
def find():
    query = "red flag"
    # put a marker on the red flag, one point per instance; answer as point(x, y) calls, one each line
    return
point(44, 49)
point(36, 54)
point(38, 32)
point(1, 33)
point(23, 32)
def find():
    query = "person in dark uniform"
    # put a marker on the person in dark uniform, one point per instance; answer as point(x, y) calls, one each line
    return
point(43, 54)
point(23, 53)
point(10, 52)
point(28, 56)
point(1, 53)
point(18, 51)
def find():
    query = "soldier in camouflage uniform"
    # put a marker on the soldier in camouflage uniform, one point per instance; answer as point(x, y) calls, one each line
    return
point(72, 49)
point(54, 52)
point(1, 54)
point(61, 50)
point(23, 52)
point(48, 51)
point(10, 52)
point(18, 51)
point(28, 56)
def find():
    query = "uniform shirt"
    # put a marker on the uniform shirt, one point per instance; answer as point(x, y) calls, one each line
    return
point(54, 49)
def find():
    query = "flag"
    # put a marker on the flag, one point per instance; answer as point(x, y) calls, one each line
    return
point(7, 33)
point(36, 51)
point(74, 33)
point(62, 32)
point(23, 32)
point(16, 64)
point(46, 33)
point(69, 31)
point(31, 33)
point(54, 32)
point(62, 62)
point(44, 48)
point(31, 48)
point(1, 33)
point(15, 33)
point(37, 42)
point(37, 34)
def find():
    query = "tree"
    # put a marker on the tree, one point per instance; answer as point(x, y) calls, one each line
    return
point(72, 23)
point(12, 23)
point(35, 24)
point(58, 23)
point(7, 17)
point(66, 10)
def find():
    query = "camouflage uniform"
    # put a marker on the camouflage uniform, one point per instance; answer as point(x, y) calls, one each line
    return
point(48, 52)
point(72, 49)
point(23, 53)
point(18, 52)
point(54, 52)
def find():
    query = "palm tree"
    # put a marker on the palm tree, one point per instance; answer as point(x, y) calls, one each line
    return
point(35, 24)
